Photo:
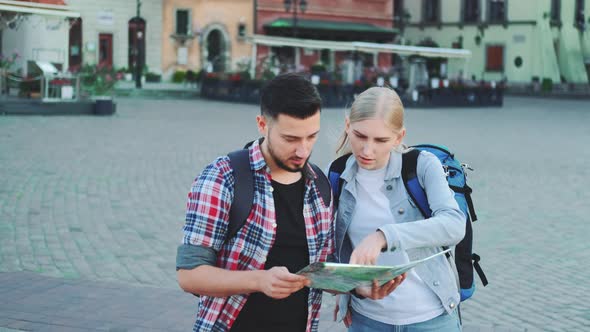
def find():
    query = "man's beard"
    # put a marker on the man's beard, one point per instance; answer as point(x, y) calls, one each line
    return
point(282, 165)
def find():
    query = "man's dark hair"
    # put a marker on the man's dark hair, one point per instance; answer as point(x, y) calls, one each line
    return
point(290, 94)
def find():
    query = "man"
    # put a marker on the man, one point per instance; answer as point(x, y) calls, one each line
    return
point(247, 283)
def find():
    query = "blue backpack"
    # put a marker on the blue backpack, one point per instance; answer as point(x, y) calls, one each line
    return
point(465, 260)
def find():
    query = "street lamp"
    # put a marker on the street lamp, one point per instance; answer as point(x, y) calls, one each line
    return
point(138, 49)
point(302, 4)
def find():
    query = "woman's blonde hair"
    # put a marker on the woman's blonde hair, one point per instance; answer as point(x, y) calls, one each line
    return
point(374, 102)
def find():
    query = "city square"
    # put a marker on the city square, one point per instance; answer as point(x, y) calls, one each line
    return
point(92, 209)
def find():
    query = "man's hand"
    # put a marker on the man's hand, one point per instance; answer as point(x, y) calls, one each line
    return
point(367, 251)
point(376, 292)
point(279, 283)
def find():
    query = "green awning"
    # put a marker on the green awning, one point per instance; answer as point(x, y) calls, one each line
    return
point(330, 30)
point(328, 25)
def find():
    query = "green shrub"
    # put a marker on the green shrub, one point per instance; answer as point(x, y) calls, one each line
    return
point(318, 68)
point(547, 85)
point(179, 76)
point(153, 77)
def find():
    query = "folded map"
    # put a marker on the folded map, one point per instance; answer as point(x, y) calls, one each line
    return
point(346, 277)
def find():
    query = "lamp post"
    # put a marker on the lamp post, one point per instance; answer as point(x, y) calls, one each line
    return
point(294, 4)
point(138, 49)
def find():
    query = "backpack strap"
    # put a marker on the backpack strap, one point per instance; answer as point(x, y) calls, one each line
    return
point(322, 183)
point(243, 191)
point(336, 169)
point(475, 258)
point(466, 191)
point(413, 187)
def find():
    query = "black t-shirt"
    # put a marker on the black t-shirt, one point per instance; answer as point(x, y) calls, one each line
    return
point(262, 313)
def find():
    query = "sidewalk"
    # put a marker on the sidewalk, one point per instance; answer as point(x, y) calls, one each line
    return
point(31, 302)
point(161, 90)
point(558, 91)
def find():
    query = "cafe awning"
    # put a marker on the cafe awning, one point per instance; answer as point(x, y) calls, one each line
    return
point(22, 7)
point(436, 52)
point(329, 30)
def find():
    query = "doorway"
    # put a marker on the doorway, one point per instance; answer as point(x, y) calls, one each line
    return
point(75, 47)
point(105, 50)
point(136, 47)
point(216, 50)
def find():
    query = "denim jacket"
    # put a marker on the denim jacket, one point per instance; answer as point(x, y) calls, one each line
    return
point(419, 237)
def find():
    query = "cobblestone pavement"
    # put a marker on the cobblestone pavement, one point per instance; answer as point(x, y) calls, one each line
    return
point(101, 199)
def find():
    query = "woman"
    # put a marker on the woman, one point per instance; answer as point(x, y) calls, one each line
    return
point(378, 223)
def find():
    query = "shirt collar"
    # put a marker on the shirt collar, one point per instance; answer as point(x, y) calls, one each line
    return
point(394, 167)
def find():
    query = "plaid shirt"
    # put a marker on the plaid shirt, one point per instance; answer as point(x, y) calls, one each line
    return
point(207, 214)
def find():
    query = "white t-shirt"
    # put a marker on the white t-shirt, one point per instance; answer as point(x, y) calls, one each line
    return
point(411, 302)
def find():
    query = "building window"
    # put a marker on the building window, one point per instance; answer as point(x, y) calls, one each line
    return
point(471, 10)
point(579, 15)
point(555, 10)
point(431, 11)
point(497, 10)
point(495, 58)
point(183, 27)
point(241, 30)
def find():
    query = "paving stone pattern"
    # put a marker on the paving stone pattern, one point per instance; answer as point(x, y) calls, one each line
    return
point(91, 210)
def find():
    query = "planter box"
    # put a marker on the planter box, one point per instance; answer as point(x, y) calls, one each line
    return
point(105, 106)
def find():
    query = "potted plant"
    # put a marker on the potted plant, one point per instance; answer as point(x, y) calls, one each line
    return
point(153, 77)
point(99, 82)
point(6, 63)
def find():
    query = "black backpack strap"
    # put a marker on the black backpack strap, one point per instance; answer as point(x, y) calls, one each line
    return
point(478, 269)
point(466, 191)
point(470, 203)
point(323, 184)
point(243, 191)
point(336, 169)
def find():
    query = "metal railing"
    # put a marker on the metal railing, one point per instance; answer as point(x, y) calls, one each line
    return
point(53, 87)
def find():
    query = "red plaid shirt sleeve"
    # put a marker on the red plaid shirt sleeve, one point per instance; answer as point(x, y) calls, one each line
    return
point(207, 208)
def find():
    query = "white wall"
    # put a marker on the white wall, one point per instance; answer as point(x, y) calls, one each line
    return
point(39, 38)
point(118, 14)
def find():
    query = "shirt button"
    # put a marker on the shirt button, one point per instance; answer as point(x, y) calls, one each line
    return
point(452, 305)
point(436, 283)
point(271, 189)
point(274, 225)
point(401, 211)
point(389, 187)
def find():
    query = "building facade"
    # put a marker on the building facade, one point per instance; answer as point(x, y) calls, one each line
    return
point(208, 35)
point(335, 20)
point(36, 31)
point(109, 33)
point(521, 41)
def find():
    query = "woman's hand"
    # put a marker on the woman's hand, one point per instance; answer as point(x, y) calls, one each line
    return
point(366, 253)
point(368, 250)
point(376, 292)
